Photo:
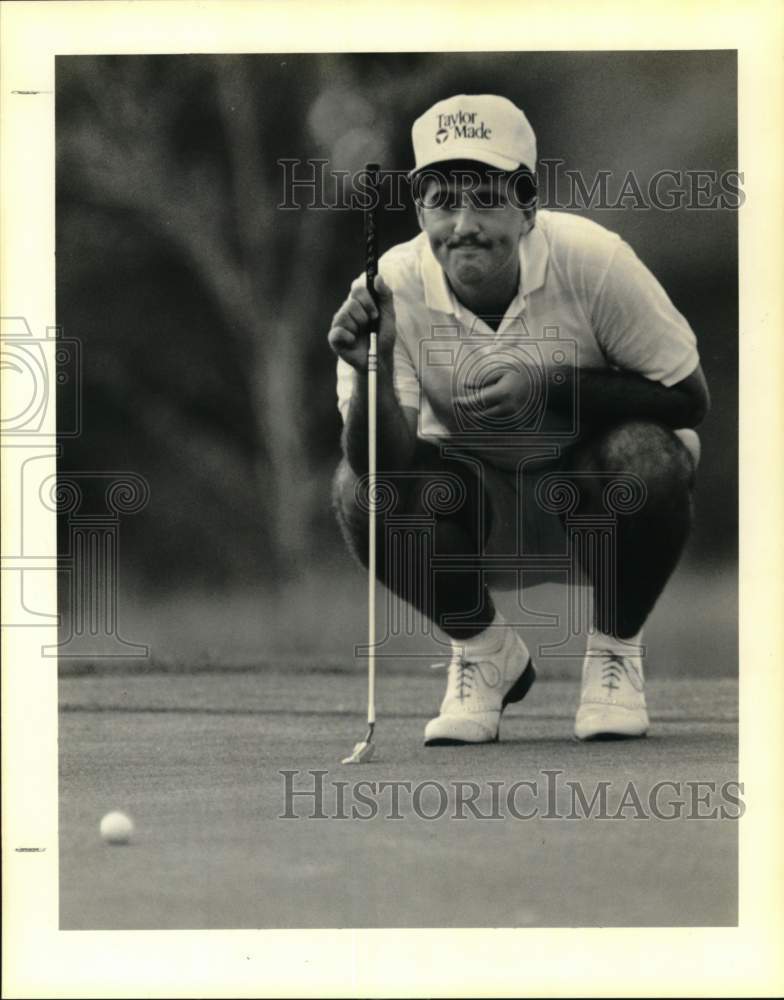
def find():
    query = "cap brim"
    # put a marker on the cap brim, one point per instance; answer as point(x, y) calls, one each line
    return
point(473, 153)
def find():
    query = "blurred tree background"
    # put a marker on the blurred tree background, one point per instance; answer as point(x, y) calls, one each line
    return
point(203, 308)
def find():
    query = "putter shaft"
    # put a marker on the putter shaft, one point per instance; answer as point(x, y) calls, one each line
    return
point(364, 750)
point(371, 270)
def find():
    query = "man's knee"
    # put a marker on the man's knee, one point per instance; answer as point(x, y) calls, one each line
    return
point(443, 493)
point(344, 488)
point(351, 502)
point(646, 449)
point(351, 517)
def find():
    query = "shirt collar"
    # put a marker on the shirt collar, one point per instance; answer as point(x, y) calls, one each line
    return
point(533, 266)
point(534, 252)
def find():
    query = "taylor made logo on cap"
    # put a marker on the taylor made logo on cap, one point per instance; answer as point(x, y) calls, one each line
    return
point(461, 125)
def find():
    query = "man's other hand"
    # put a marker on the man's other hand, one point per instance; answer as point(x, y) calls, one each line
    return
point(498, 398)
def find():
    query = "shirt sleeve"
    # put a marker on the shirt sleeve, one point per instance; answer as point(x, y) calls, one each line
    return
point(405, 377)
point(637, 326)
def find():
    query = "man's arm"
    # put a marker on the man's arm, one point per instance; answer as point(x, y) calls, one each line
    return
point(396, 425)
point(616, 395)
point(349, 337)
point(648, 344)
point(604, 396)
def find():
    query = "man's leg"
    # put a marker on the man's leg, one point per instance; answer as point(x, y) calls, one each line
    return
point(648, 542)
point(455, 529)
point(490, 664)
point(630, 578)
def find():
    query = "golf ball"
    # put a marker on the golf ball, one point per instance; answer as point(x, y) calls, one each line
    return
point(116, 828)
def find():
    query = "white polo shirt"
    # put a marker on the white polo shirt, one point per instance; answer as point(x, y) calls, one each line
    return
point(584, 298)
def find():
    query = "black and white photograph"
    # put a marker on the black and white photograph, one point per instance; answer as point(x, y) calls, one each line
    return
point(387, 429)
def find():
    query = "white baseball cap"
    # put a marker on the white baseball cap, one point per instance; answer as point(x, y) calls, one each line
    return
point(481, 127)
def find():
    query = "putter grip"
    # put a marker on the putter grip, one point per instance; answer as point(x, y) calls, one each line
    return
point(371, 231)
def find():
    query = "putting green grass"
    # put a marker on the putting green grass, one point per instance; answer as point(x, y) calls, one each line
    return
point(195, 758)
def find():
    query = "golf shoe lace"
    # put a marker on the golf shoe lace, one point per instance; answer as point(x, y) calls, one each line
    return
point(615, 666)
point(463, 674)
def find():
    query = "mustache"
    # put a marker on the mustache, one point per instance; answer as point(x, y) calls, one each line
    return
point(454, 243)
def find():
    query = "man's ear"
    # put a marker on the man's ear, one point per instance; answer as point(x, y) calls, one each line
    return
point(420, 215)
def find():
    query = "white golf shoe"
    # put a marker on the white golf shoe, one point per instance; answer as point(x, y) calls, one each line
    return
point(480, 684)
point(612, 700)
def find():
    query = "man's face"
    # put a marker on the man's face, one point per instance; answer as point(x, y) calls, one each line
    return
point(474, 227)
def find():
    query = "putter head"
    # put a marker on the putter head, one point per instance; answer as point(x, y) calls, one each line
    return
point(361, 753)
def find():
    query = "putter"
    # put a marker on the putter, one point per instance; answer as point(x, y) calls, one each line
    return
point(364, 750)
